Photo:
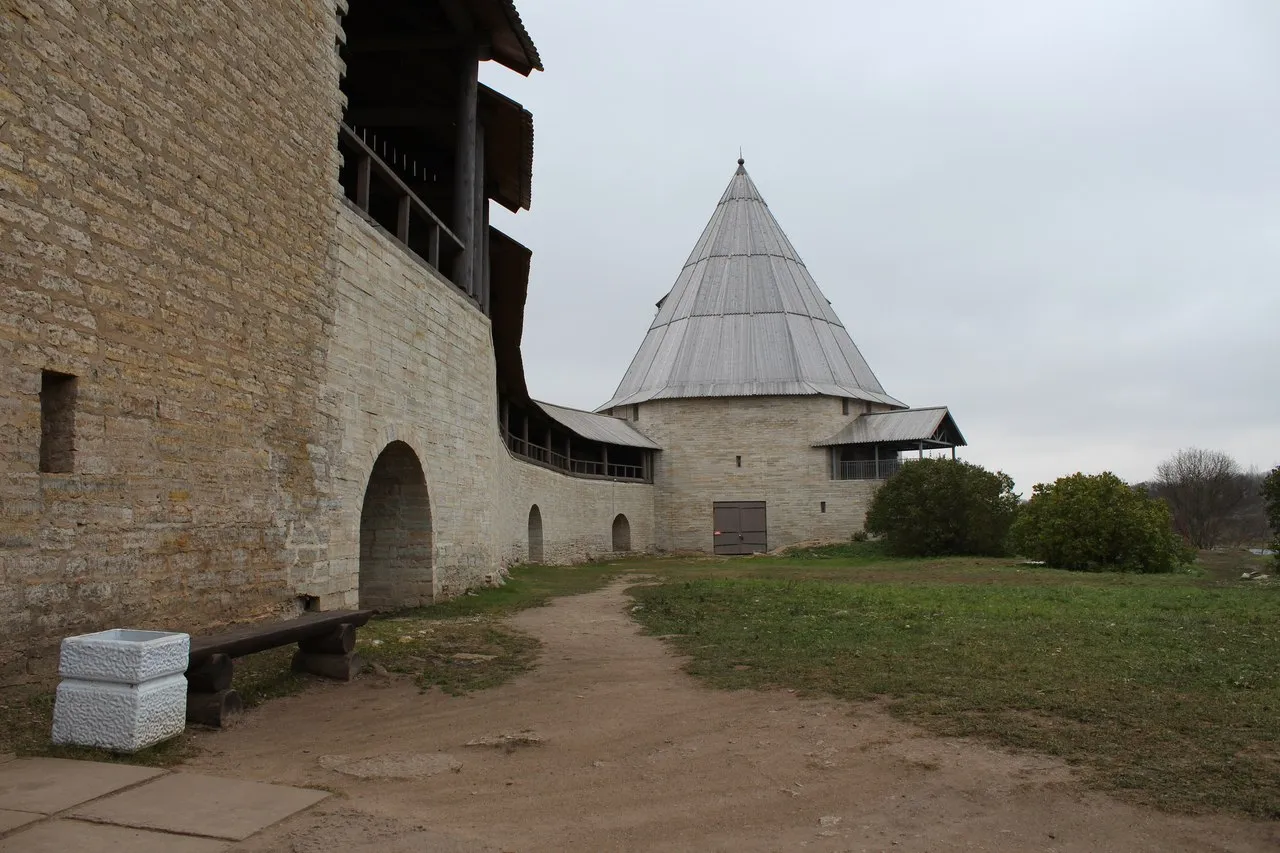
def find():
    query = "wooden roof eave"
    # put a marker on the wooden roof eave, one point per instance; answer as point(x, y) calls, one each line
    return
point(508, 150)
point(509, 279)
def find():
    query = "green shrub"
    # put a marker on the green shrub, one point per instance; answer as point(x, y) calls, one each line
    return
point(1097, 523)
point(1271, 497)
point(942, 506)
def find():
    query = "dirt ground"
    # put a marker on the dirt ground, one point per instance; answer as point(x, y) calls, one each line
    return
point(622, 751)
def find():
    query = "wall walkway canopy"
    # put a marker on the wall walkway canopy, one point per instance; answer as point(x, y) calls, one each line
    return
point(906, 429)
point(601, 428)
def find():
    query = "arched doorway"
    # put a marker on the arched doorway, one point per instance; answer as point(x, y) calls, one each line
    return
point(621, 533)
point(395, 533)
point(535, 534)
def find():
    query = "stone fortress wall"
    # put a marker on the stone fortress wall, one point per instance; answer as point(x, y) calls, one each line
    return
point(243, 345)
point(166, 215)
point(752, 449)
point(221, 357)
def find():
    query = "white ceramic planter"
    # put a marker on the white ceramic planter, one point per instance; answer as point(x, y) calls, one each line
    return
point(121, 690)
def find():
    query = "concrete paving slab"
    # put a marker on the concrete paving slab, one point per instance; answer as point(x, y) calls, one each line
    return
point(12, 820)
point(201, 805)
point(59, 836)
point(49, 785)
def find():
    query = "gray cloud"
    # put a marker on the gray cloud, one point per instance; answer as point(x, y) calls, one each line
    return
point(1060, 218)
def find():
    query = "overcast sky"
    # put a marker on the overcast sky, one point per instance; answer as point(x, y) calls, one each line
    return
point(1060, 218)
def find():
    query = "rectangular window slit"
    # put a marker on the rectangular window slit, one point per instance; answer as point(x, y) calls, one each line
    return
point(738, 461)
point(57, 422)
point(824, 506)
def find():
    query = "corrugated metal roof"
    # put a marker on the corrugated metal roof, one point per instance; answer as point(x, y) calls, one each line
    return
point(745, 318)
point(605, 428)
point(905, 425)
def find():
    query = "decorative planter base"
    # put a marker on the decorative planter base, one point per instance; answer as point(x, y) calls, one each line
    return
point(120, 717)
point(121, 690)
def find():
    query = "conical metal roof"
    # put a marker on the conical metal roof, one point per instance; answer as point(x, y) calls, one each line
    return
point(745, 318)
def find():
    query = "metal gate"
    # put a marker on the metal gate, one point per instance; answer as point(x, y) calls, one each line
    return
point(740, 527)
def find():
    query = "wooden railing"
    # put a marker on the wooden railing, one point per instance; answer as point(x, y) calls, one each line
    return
point(587, 467)
point(412, 213)
point(881, 469)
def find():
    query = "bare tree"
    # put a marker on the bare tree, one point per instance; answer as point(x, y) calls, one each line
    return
point(1205, 489)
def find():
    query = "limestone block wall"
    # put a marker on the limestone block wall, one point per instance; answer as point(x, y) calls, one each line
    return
point(577, 515)
point(411, 359)
point(702, 439)
point(166, 204)
point(243, 345)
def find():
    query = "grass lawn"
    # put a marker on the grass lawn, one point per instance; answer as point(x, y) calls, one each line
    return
point(1164, 688)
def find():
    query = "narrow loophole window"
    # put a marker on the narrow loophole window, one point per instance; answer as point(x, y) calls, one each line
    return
point(57, 422)
point(844, 405)
point(738, 461)
point(823, 504)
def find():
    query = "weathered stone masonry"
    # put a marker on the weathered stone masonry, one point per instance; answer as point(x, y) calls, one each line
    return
point(166, 210)
point(410, 360)
point(703, 440)
point(173, 235)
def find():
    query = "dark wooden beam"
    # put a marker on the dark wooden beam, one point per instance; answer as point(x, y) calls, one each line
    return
point(402, 221)
point(338, 667)
point(416, 116)
point(340, 641)
point(481, 222)
point(407, 43)
point(486, 300)
point(213, 675)
point(459, 17)
point(464, 196)
point(214, 709)
point(433, 246)
point(364, 170)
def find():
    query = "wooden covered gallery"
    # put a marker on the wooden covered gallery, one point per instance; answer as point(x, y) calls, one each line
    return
point(425, 148)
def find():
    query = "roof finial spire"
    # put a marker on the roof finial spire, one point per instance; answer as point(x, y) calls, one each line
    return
point(740, 160)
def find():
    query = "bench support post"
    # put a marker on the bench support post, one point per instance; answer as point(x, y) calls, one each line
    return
point(214, 709)
point(211, 675)
point(210, 699)
point(338, 667)
point(340, 641)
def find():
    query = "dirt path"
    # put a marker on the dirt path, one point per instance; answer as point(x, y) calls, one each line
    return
point(635, 755)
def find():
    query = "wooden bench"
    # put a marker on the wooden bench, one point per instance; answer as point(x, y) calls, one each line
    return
point(326, 646)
